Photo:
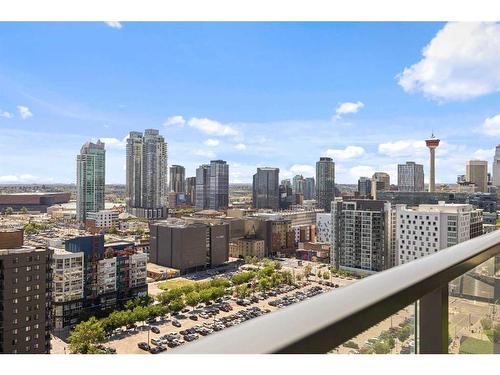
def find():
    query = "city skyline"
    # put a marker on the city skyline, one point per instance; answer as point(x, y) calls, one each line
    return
point(216, 97)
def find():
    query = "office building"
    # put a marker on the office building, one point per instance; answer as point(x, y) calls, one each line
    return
point(103, 219)
point(202, 187)
point(287, 199)
point(360, 235)
point(191, 191)
point(25, 296)
point(33, 202)
point(265, 189)
point(496, 167)
point(476, 172)
point(90, 179)
point(324, 227)
point(325, 183)
point(364, 187)
point(309, 188)
point(177, 179)
point(247, 246)
point(212, 186)
point(381, 181)
point(189, 247)
point(432, 143)
point(298, 184)
point(426, 229)
point(410, 177)
point(146, 180)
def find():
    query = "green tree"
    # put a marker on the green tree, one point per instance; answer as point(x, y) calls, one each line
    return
point(263, 284)
point(381, 347)
point(277, 265)
point(112, 230)
point(242, 291)
point(206, 295)
point(176, 305)
point(404, 333)
point(192, 299)
point(351, 344)
point(326, 275)
point(307, 271)
point(86, 335)
point(276, 280)
point(8, 211)
point(486, 323)
point(242, 277)
point(24, 210)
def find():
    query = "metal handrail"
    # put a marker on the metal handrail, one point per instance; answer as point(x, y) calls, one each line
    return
point(328, 320)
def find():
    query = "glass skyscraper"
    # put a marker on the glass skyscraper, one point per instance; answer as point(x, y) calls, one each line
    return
point(325, 183)
point(90, 179)
point(266, 188)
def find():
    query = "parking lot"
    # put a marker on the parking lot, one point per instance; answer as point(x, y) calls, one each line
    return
point(209, 320)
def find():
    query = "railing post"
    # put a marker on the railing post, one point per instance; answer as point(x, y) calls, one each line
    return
point(433, 322)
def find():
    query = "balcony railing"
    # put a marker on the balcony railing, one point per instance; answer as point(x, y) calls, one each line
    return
point(327, 321)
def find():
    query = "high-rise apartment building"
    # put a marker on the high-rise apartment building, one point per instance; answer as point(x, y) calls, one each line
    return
point(428, 228)
point(496, 167)
point(360, 235)
point(381, 181)
point(146, 182)
point(265, 189)
point(476, 172)
point(202, 187)
point(90, 179)
point(191, 191)
point(298, 184)
point(309, 188)
point(324, 227)
point(325, 183)
point(364, 186)
point(410, 177)
point(25, 296)
point(177, 181)
point(286, 195)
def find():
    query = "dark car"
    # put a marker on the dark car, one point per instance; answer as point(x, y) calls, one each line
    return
point(155, 330)
point(157, 349)
point(193, 317)
point(143, 346)
point(175, 323)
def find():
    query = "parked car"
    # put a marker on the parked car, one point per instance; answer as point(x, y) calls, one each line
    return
point(176, 323)
point(155, 330)
point(193, 317)
point(143, 346)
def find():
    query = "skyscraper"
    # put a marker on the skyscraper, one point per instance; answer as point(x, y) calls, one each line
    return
point(432, 143)
point(380, 181)
point(476, 172)
point(202, 187)
point(364, 186)
point(325, 183)
point(265, 189)
point(309, 188)
point(496, 167)
point(176, 181)
point(191, 191)
point(219, 185)
point(90, 179)
point(410, 177)
point(298, 184)
point(146, 167)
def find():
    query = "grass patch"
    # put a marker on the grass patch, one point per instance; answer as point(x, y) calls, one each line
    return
point(471, 345)
point(175, 283)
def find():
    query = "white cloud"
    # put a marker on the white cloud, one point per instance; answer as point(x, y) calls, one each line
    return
point(402, 148)
point(303, 169)
point(114, 24)
point(459, 63)
point(18, 178)
point(361, 171)
point(212, 142)
point(483, 154)
point(114, 142)
point(24, 112)
point(346, 108)
point(205, 153)
point(211, 127)
point(240, 146)
point(491, 126)
point(175, 121)
point(349, 152)
point(6, 114)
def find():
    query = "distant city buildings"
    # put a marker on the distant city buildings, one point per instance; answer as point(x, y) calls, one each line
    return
point(212, 186)
point(325, 183)
point(476, 172)
point(265, 188)
point(191, 191)
point(90, 179)
point(381, 181)
point(287, 199)
point(309, 188)
point(33, 202)
point(364, 187)
point(146, 169)
point(177, 179)
point(298, 184)
point(25, 295)
point(410, 177)
point(426, 229)
point(103, 219)
point(432, 143)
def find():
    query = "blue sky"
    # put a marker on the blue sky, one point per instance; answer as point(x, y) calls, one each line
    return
point(254, 94)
